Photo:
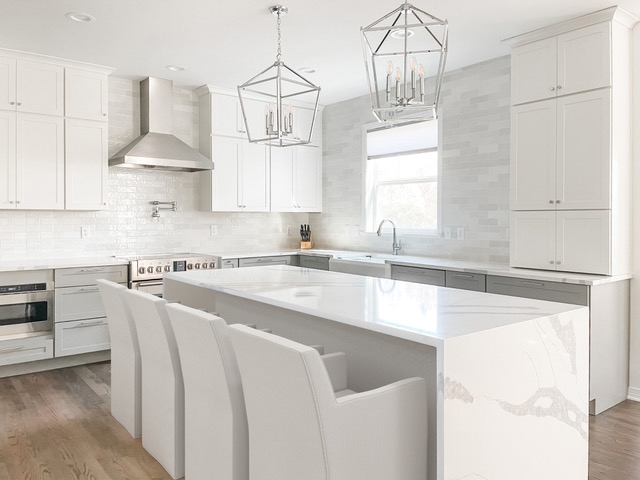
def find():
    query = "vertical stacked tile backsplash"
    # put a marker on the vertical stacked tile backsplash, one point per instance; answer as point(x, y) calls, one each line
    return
point(126, 227)
point(474, 177)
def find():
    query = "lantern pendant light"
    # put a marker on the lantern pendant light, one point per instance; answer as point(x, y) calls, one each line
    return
point(269, 101)
point(405, 53)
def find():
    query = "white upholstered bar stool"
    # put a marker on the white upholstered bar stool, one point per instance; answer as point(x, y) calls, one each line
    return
point(126, 406)
point(216, 435)
point(162, 383)
point(300, 429)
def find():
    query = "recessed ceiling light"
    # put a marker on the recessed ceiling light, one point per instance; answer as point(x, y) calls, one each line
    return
point(80, 17)
point(176, 68)
point(307, 70)
point(399, 33)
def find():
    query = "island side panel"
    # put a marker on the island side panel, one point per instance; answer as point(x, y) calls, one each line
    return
point(516, 401)
point(373, 359)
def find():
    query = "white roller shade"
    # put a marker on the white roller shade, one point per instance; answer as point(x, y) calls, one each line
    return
point(412, 138)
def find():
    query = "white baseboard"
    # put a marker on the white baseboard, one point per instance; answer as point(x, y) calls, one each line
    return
point(634, 394)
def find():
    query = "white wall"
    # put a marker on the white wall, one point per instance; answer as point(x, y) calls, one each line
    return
point(126, 227)
point(634, 361)
point(475, 170)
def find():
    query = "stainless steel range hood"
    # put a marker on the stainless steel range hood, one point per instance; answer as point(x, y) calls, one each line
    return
point(156, 147)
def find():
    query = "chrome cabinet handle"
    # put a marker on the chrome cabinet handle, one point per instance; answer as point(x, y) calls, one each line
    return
point(11, 202)
point(88, 324)
point(557, 201)
point(550, 201)
point(558, 262)
point(559, 87)
point(88, 289)
point(462, 275)
point(12, 103)
point(12, 349)
point(19, 103)
point(533, 284)
point(552, 88)
point(91, 270)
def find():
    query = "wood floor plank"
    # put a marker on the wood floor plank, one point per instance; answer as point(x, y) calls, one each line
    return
point(57, 425)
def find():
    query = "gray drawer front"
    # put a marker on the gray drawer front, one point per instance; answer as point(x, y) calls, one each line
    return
point(230, 263)
point(75, 277)
point(466, 281)
point(539, 289)
point(427, 276)
point(319, 263)
point(257, 261)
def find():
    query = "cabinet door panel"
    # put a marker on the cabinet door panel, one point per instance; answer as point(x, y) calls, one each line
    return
point(86, 95)
point(533, 240)
point(40, 88)
point(255, 172)
point(225, 115)
point(40, 162)
point(82, 336)
point(7, 159)
point(584, 59)
point(226, 156)
point(584, 241)
point(86, 165)
point(533, 71)
point(7, 83)
point(533, 156)
point(308, 178)
point(583, 178)
point(282, 179)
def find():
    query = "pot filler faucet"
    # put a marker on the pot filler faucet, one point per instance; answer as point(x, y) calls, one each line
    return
point(396, 243)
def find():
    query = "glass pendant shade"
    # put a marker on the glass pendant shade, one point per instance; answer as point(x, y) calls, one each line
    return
point(405, 53)
point(269, 103)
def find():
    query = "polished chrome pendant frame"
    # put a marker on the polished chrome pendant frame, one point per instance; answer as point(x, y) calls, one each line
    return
point(402, 107)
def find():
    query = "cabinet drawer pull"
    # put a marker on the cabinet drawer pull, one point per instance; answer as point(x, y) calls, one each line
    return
point(559, 87)
point(88, 324)
point(12, 349)
point(550, 201)
point(91, 270)
point(88, 289)
point(558, 262)
point(11, 202)
point(462, 275)
point(19, 104)
point(532, 284)
point(557, 201)
point(12, 103)
point(552, 88)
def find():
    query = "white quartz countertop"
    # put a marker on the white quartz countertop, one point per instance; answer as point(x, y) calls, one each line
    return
point(486, 268)
point(53, 263)
point(421, 313)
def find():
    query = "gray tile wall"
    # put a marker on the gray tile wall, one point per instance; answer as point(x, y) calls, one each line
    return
point(126, 227)
point(474, 177)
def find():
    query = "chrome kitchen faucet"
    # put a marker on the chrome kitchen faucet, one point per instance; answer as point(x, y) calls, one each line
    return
point(396, 242)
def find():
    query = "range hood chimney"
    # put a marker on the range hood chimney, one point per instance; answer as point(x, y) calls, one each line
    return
point(156, 147)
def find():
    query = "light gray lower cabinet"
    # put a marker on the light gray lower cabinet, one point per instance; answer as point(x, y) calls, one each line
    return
point(313, 261)
point(259, 261)
point(426, 276)
point(539, 289)
point(80, 320)
point(26, 349)
point(466, 281)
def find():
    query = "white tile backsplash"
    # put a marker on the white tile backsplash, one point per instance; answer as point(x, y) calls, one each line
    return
point(475, 170)
point(127, 227)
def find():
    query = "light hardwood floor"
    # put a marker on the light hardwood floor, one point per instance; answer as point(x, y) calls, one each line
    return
point(56, 425)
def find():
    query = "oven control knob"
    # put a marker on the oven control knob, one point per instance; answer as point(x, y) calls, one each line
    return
point(141, 270)
point(197, 266)
point(189, 266)
point(205, 265)
point(158, 269)
point(212, 265)
point(167, 268)
point(149, 269)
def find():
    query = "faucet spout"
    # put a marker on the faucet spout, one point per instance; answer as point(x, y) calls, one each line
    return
point(396, 243)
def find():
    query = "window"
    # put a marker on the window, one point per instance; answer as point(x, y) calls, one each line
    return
point(401, 168)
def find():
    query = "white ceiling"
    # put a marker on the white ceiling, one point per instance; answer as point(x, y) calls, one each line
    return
point(226, 43)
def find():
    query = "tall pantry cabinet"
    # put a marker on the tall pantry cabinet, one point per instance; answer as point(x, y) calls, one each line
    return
point(571, 145)
point(53, 133)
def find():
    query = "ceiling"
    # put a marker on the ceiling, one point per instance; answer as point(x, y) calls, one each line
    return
point(226, 43)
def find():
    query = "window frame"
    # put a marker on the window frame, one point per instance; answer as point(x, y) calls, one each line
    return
point(437, 232)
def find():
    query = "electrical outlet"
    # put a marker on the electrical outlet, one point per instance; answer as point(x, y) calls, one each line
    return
point(447, 233)
point(84, 232)
point(213, 230)
point(289, 230)
point(460, 234)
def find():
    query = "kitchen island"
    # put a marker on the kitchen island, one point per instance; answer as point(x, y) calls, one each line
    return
point(508, 376)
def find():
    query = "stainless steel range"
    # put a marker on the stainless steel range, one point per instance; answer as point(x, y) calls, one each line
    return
point(146, 271)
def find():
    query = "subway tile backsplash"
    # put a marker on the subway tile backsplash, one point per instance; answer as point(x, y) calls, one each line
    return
point(474, 178)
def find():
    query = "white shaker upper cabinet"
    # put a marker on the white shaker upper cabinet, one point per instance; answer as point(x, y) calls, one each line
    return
point(40, 88)
point(559, 65)
point(583, 179)
point(533, 156)
point(533, 240)
point(583, 241)
point(86, 95)
point(7, 83)
point(40, 162)
point(7, 159)
point(221, 187)
point(226, 117)
point(282, 180)
point(308, 179)
point(86, 164)
point(255, 175)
